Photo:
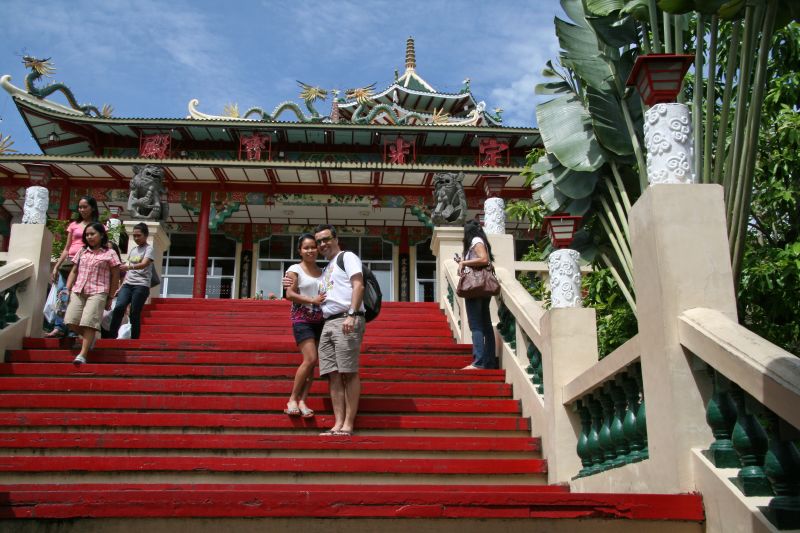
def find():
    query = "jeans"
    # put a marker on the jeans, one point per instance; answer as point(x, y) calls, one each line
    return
point(135, 296)
point(61, 283)
point(480, 322)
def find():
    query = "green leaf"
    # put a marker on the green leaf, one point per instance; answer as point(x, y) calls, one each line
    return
point(602, 8)
point(609, 122)
point(638, 9)
point(581, 53)
point(615, 32)
point(574, 184)
point(574, 10)
point(732, 9)
point(676, 7)
point(550, 197)
point(555, 87)
point(565, 126)
point(708, 7)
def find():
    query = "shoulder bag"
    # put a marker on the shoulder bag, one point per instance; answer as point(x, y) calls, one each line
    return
point(478, 282)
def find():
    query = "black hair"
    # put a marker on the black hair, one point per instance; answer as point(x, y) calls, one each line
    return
point(113, 246)
point(141, 226)
point(323, 227)
point(93, 204)
point(303, 237)
point(99, 228)
point(472, 229)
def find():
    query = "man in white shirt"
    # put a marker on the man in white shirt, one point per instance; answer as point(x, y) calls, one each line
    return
point(340, 344)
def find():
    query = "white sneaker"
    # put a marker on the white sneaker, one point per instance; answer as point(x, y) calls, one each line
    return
point(79, 360)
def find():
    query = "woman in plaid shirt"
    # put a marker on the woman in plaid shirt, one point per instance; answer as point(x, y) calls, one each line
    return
point(92, 282)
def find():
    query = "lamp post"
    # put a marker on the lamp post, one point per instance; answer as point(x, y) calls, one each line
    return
point(668, 134)
point(494, 207)
point(565, 273)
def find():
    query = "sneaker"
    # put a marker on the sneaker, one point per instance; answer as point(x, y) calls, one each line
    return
point(79, 360)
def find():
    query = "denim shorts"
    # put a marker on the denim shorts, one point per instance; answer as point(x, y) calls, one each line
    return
point(307, 330)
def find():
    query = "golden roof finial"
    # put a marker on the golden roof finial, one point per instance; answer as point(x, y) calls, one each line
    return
point(411, 60)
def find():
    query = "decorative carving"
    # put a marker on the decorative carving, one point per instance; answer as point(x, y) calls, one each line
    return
point(565, 278)
point(35, 210)
point(145, 199)
point(494, 222)
point(252, 145)
point(451, 203)
point(669, 144)
point(397, 151)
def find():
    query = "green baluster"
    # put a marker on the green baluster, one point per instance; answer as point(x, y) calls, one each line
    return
point(596, 412)
point(606, 443)
point(583, 439)
point(635, 441)
point(450, 296)
point(3, 309)
point(512, 332)
point(621, 448)
point(12, 304)
point(750, 442)
point(782, 467)
point(641, 413)
point(721, 417)
point(534, 356)
point(540, 373)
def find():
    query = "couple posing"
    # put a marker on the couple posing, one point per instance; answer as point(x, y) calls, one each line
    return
point(328, 324)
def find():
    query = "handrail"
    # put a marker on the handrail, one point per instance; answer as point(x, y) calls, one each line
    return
point(765, 371)
point(15, 272)
point(614, 363)
point(527, 311)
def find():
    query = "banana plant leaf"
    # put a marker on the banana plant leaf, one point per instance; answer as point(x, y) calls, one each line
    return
point(574, 184)
point(580, 52)
point(566, 129)
point(605, 108)
point(574, 10)
point(676, 7)
point(638, 9)
point(615, 32)
point(551, 198)
point(601, 8)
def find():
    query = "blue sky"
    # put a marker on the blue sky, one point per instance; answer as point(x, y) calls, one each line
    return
point(148, 58)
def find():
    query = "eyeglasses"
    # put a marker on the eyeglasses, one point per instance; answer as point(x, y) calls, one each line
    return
point(325, 240)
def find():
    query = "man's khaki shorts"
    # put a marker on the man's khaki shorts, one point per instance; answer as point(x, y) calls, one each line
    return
point(339, 352)
point(85, 311)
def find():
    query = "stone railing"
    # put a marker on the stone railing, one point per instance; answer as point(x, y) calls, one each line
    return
point(720, 415)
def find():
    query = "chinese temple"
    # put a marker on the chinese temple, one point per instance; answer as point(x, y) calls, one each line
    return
point(242, 185)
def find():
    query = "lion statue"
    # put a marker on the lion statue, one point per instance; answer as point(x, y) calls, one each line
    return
point(451, 203)
point(147, 189)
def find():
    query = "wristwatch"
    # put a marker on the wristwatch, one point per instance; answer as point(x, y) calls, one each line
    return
point(351, 312)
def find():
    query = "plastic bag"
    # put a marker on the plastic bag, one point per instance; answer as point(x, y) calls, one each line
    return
point(105, 323)
point(50, 304)
point(124, 331)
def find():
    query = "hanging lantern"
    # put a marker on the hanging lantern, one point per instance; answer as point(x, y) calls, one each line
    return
point(561, 228)
point(493, 185)
point(658, 77)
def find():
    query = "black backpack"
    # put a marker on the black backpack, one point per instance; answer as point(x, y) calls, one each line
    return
point(372, 290)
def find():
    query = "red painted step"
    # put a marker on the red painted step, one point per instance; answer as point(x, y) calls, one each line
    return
point(245, 403)
point(245, 441)
point(338, 501)
point(258, 421)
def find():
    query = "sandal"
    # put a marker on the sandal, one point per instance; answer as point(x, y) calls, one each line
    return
point(292, 411)
point(305, 412)
point(55, 333)
point(329, 433)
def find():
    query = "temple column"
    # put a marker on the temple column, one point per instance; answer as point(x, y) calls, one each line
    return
point(64, 212)
point(201, 254)
point(246, 262)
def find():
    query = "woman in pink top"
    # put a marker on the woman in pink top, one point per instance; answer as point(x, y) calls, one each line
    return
point(87, 213)
point(92, 283)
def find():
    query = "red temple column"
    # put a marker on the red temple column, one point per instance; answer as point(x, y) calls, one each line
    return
point(201, 252)
point(64, 212)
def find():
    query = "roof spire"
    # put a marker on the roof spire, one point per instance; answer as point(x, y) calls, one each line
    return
point(411, 60)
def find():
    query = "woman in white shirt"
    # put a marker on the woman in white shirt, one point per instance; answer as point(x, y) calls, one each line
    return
point(307, 321)
point(478, 254)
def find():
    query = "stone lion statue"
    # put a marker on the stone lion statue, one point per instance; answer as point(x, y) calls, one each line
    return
point(451, 203)
point(147, 189)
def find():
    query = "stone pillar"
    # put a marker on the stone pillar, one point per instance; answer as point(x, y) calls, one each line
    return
point(445, 243)
point(114, 220)
point(569, 348)
point(201, 249)
point(494, 222)
point(36, 201)
point(680, 261)
point(33, 242)
point(669, 143)
point(565, 278)
point(158, 238)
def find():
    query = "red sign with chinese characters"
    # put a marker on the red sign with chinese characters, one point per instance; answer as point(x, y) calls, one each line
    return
point(490, 151)
point(396, 152)
point(155, 146)
point(252, 146)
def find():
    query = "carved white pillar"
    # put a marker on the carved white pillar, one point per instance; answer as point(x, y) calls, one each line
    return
point(669, 142)
point(494, 221)
point(114, 221)
point(35, 210)
point(565, 278)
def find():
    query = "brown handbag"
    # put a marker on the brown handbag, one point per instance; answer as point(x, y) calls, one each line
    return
point(478, 282)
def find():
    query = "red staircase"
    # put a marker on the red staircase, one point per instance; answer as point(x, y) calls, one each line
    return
point(187, 422)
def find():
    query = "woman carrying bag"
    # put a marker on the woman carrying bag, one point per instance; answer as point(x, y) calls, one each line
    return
point(136, 288)
point(478, 255)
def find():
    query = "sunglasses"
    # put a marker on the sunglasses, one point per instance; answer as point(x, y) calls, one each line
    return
point(325, 240)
